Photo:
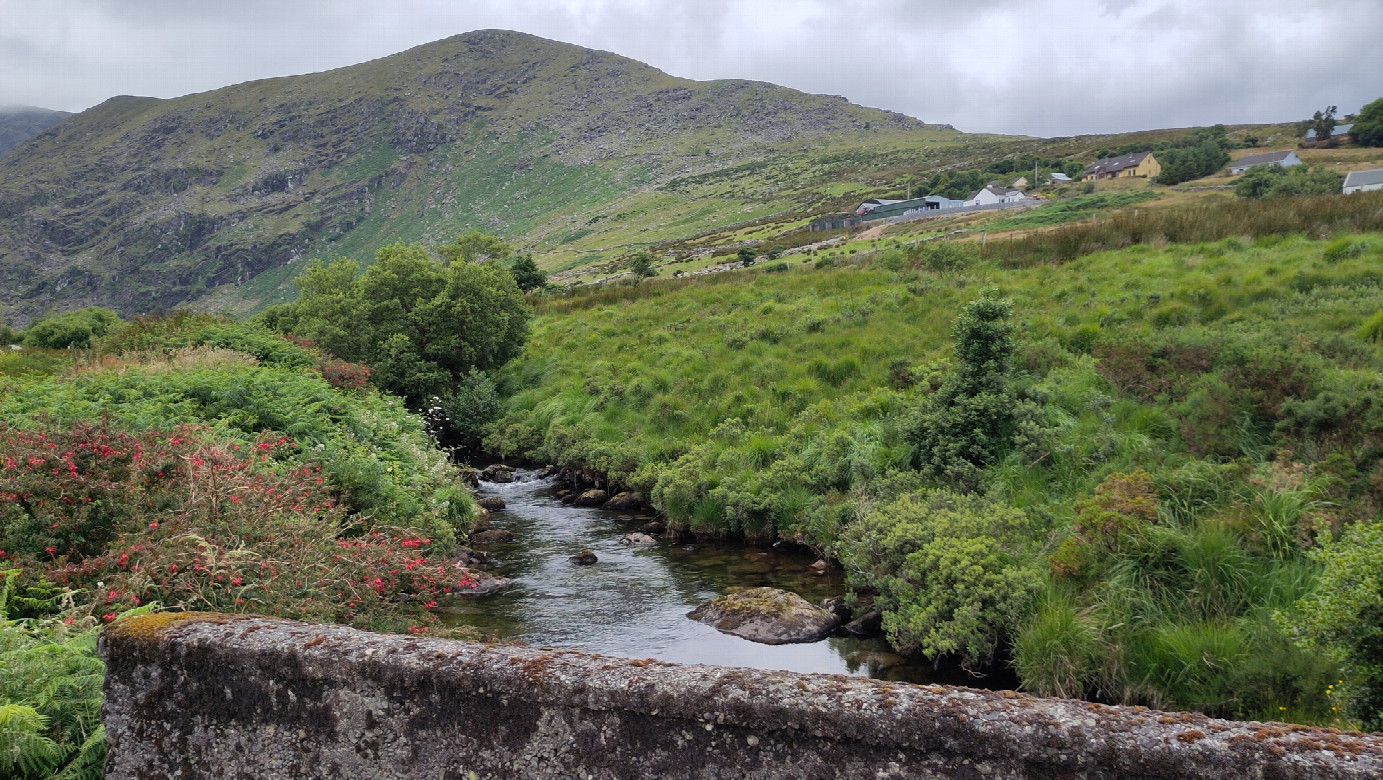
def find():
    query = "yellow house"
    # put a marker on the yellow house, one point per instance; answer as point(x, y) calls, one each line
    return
point(1138, 164)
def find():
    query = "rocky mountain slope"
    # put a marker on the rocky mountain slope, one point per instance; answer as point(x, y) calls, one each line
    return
point(20, 123)
point(142, 204)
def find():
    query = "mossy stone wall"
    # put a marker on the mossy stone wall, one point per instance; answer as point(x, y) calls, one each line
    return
point(216, 696)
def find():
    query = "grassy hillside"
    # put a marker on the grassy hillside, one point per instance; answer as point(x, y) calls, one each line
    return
point(1191, 421)
point(142, 203)
point(577, 156)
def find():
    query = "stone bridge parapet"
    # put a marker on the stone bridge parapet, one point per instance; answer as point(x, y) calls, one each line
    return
point(200, 695)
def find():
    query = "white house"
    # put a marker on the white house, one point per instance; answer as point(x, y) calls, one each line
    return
point(1059, 178)
point(1364, 181)
point(1284, 159)
point(995, 194)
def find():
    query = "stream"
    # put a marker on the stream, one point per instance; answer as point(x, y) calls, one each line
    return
point(634, 601)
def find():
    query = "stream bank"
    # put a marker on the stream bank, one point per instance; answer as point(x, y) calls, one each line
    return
point(633, 601)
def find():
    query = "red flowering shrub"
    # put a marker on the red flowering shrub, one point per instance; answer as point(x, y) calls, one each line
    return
point(175, 518)
point(343, 375)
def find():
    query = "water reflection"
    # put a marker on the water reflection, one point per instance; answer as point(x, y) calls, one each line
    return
point(634, 601)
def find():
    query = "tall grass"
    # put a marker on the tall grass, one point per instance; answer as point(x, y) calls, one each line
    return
point(1317, 217)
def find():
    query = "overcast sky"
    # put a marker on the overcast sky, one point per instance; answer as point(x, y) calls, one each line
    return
point(1035, 67)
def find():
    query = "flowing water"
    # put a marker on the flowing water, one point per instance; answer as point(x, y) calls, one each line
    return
point(634, 601)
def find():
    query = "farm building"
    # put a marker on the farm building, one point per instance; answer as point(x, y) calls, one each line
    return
point(1058, 178)
point(1137, 164)
point(874, 203)
point(1284, 159)
point(834, 222)
point(1364, 181)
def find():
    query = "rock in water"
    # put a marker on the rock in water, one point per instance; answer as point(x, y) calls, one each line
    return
point(491, 503)
point(639, 540)
point(493, 536)
point(869, 624)
point(466, 557)
point(767, 615)
point(584, 558)
point(591, 498)
point(654, 527)
point(624, 501)
point(498, 473)
point(478, 583)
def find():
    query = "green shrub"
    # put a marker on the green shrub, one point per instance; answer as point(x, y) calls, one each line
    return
point(1344, 616)
point(970, 421)
point(1344, 249)
point(72, 329)
point(954, 572)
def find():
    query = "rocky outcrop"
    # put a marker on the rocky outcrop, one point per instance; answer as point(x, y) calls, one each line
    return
point(219, 696)
point(767, 615)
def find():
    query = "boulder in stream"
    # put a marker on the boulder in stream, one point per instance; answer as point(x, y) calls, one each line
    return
point(478, 583)
point(498, 473)
point(493, 536)
point(466, 557)
point(625, 501)
point(491, 503)
point(767, 615)
point(584, 558)
point(639, 540)
point(591, 498)
point(869, 624)
point(653, 527)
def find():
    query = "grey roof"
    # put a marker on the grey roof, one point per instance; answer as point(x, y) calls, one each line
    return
point(1364, 178)
point(1260, 159)
point(1116, 164)
point(1059, 177)
point(1337, 131)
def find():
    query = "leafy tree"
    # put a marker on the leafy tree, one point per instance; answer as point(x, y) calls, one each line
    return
point(641, 265)
point(1344, 616)
point(8, 335)
point(1273, 181)
point(1203, 159)
point(775, 252)
point(747, 255)
point(1323, 122)
point(969, 422)
point(526, 273)
point(472, 403)
point(419, 324)
point(71, 329)
point(475, 247)
point(954, 572)
point(1368, 128)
